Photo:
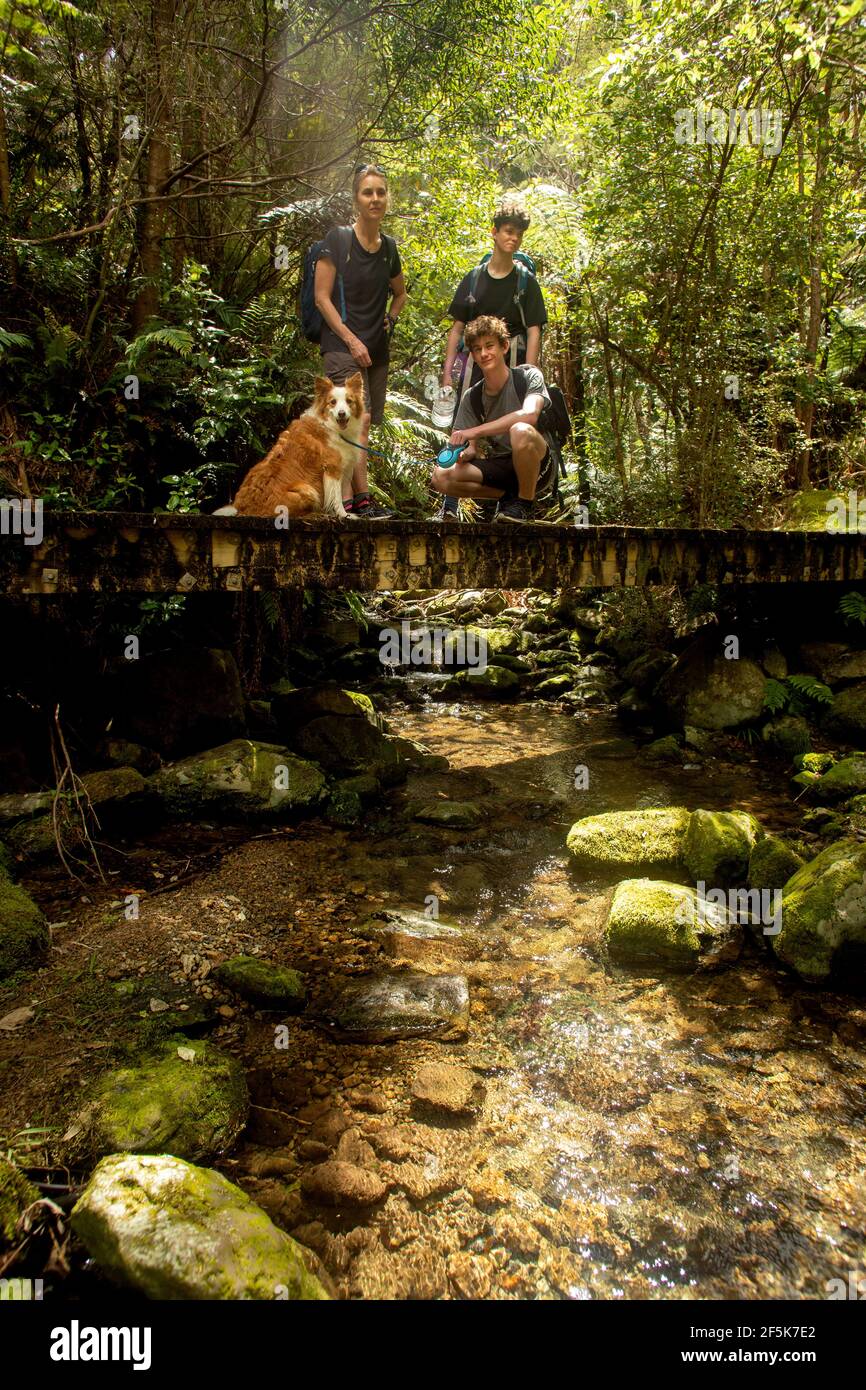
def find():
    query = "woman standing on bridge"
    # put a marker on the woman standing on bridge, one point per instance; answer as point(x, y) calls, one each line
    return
point(357, 319)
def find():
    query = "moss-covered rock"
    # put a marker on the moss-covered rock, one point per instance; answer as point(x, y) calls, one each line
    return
point(351, 746)
point(118, 794)
point(652, 922)
point(174, 1231)
point(553, 686)
point(663, 750)
point(651, 839)
point(647, 670)
point(462, 815)
point(495, 681)
point(818, 763)
point(844, 779)
point(293, 709)
point(269, 986)
point(191, 1102)
point(17, 1193)
point(240, 779)
point(718, 845)
point(498, 639)
point(833, 662)
point(824, 915)
point(772, 862)
point(24, 937)
point(707, 690)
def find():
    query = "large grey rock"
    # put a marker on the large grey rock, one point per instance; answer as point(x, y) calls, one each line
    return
point(833, 662)
point(174, 1231)
point(707, 690)
point(241, 779)
point(409, 1004)
point(350, 746)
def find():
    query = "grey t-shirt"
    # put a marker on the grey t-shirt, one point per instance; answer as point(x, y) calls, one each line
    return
point(494, 407)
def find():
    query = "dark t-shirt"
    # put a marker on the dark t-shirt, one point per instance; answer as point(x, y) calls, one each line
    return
point(496, 297)
point(367, 277)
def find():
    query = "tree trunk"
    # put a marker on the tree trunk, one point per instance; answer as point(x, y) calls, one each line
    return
point(151, 225)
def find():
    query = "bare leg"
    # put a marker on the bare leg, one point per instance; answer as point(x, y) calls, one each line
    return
point(527, 450)
point(463, 480)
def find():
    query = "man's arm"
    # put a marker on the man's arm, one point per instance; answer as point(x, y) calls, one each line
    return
point(527, 415)
point(533, 345)
point(451, 350)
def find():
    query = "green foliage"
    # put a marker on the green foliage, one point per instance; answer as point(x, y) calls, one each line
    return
point(797, 694)
point(852, 607)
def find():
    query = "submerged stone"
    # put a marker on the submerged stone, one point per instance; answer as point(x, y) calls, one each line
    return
point(667, 923)
point(381, 1008)
point(461, 815)
point(185, 1098)
point(647, 839)
point(269, 986)
point(174, 1231)
point(446, 1089)
point(824, 916)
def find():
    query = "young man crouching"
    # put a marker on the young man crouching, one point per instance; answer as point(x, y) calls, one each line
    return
point(493, 412)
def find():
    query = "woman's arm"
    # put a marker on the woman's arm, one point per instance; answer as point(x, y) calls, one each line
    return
point(398, 290)
point(326, 274)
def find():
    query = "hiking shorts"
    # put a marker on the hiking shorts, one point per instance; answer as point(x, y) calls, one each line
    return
point(498, 471)
point(339, 366)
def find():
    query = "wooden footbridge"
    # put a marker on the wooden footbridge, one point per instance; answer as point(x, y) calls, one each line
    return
point(114, 552)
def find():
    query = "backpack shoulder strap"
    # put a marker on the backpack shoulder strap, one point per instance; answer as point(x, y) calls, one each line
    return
point(344, 236)
point(522, 282)
point(473, 282)
point(521, 385)
point(474, 399)
point(391, 250)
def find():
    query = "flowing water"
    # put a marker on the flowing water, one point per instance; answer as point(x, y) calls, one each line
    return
point(667, 1135)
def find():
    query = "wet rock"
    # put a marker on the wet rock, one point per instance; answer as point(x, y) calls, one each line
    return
point(407, 1004)
point(417, 756)
point(707, 690)
point(638, 840)
point(824, 916)
point(666, 924)
point(818, 763)
point(294, 709)
point(471, 1275)
point(553, 686)
point(186, 1098)
point(19, 806)
point(269, 986)
point(174, 1231)
point(772, 862)
point(415, 937)
point(239, 779)
point(717, 846)
point(633, 709)
point(396, 1143)
point(24, 936)
point(445, 1089)
point(663, 750)
point(181, 700)
point(460, 815)
point(17, 1193)
point(340, 1184)
point(493, 682)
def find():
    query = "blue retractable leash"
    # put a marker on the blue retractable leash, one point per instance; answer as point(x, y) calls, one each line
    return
point(448, 456)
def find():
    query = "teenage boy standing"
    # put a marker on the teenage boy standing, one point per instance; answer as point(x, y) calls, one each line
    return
point(499, 289)
point(520, 451)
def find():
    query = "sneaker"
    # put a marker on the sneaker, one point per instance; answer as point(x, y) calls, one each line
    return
point(365, 508)
point(447, 510)
point(515, 509)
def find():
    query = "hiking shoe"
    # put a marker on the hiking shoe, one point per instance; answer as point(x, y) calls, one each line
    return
point(368, 510)
point(515, 509)
point(447, 510)
point(488, 507)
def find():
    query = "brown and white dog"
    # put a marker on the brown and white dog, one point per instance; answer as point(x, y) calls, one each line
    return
point(306, 469)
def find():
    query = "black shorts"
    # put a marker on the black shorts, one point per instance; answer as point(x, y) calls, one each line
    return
point(498, 471)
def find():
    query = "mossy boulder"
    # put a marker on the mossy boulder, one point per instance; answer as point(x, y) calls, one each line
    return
point(653, 922)
point(788, 736)
point(24, 937)
point(498, 639)
point(844, 779)
point(173, 1231)
point(269, 986)
point(33, 840)
point(459, 815)
point(181, 700)
point(118, 794)
point(651, 839)
point(645, 672)
point(553, 686)
point(494, 682)
point(772, 862)
point(824, 916)
point(833, 662)
point(294, 709)
point(17, 1193)
point(185, 1098)
point(847, 715)
point(717, 846)
point(663, 750)
point(813, 762)
point(240, 779)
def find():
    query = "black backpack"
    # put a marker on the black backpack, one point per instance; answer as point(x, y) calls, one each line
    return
point(311, 319)
point(554, 423)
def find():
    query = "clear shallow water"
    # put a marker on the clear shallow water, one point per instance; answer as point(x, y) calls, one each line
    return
point(698, 1136)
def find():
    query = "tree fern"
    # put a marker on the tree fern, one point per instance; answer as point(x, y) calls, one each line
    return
point(775, 696)
point(179, 340)
point(853, 608)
